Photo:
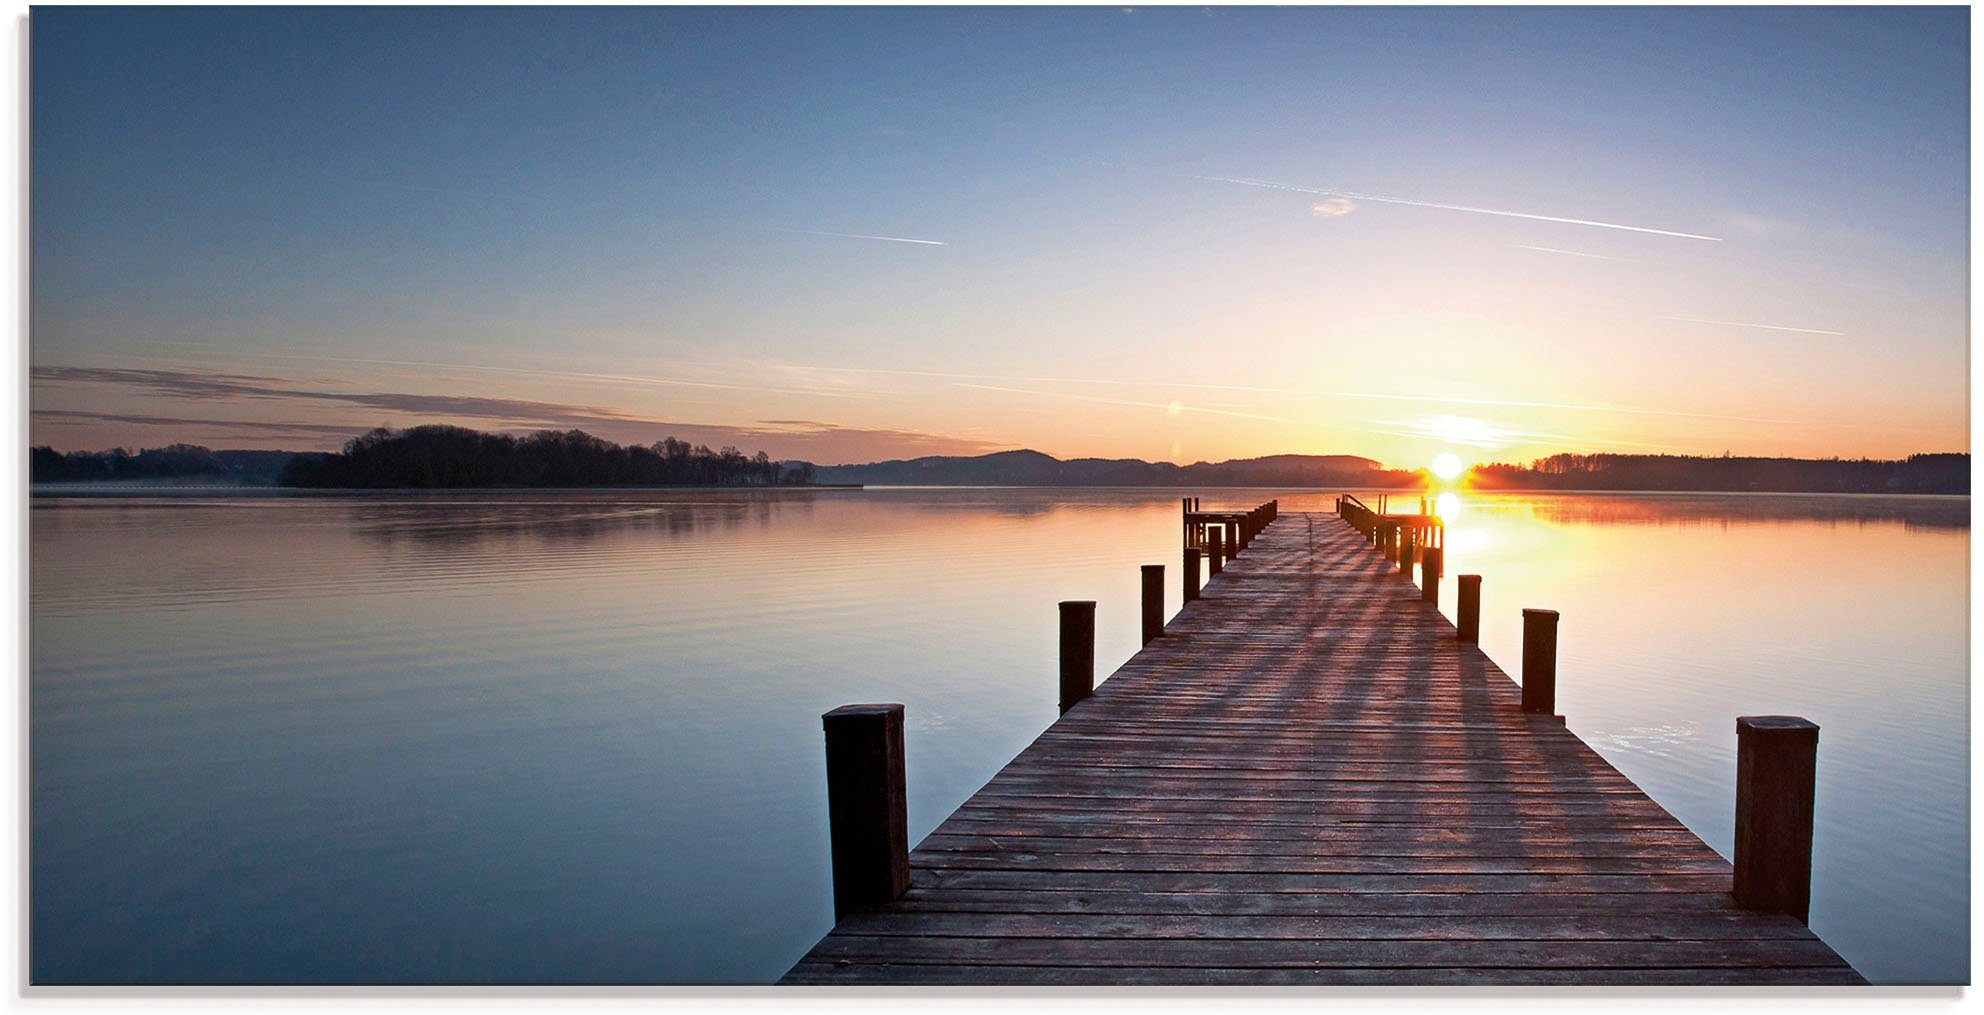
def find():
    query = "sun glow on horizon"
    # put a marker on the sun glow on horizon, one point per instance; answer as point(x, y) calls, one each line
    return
point(1448, 465)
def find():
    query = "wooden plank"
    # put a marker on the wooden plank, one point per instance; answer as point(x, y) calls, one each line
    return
point(812, 973)
point(949, 898)
point(1610, 927)
point(1319, 954)
point(1307, 780)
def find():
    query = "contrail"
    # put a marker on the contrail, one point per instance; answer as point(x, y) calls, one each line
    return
point(1741, 324)
point(1573, 253)
point(1355, 196)
point(866, 236)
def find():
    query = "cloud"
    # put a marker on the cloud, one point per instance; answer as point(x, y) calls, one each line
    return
point(867, 236)
point(1167, 407)
point(629, 380)
point(1466, 431)
point(249, 428)
point(1470, 209)
point(1574, 253)
point(220, 386)
point(1740, 324)
point(1333, 207)
point(792, 438)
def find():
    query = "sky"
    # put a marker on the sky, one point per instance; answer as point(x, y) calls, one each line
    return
point(845, 235)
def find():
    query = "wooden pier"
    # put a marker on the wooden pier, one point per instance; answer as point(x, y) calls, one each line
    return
point(1309, 777)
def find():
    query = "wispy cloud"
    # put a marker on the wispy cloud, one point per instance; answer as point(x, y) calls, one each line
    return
point(1173, 408)
point(236, 427)
point(631, 380)
point(1333, 207)
point(867, 236)
point(981, 379)
point(1742, 324)
point(221, 386)
point(1470, 209)
point(1573, 253)
point(1464, 431)
point(812, 439)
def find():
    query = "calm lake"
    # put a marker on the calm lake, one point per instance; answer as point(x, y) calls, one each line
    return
point(575, 737)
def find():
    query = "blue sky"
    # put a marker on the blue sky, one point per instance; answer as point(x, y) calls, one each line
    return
point(624, 219)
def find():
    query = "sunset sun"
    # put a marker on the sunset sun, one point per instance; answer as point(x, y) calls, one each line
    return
point(1447, 465)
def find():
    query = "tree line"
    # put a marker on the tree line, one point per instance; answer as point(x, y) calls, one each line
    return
point(449, 457)
point(1931, 473)
point(172, 462)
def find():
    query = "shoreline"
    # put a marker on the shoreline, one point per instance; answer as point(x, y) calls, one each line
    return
point(110, 492)
point(106, 491)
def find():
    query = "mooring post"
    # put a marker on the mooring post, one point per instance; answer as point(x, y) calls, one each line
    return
point(1467, 618)
point(1077, 652)
point(1405, 537)
point(1232, 541)
point(1539, 661)
point(1153, 601)
point(1430, 564)
point(868, 829)
point(1215, 552)
point(1387, 540)
point(1776, 775)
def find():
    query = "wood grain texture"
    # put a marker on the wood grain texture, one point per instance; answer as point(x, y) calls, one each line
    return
point(1308, 779)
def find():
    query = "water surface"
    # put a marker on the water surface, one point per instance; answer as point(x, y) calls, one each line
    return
point(574, 737)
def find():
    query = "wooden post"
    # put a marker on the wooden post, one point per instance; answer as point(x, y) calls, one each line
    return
point(1153, 575)
point(1467, 621)
point(1405, 552)
point(1191, 573)
point(1776, 773)
point(1539, 661)
point(1232, 541)
point(1215, 552)
point(866, 814)
point(1077, 652)
point(1430, 564)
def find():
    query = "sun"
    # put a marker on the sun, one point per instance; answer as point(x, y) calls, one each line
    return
point(1447, 465)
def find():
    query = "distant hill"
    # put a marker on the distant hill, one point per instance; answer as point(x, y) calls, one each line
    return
point(1032, 468)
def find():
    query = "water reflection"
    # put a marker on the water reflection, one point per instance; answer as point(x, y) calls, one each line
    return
point(574, 737)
